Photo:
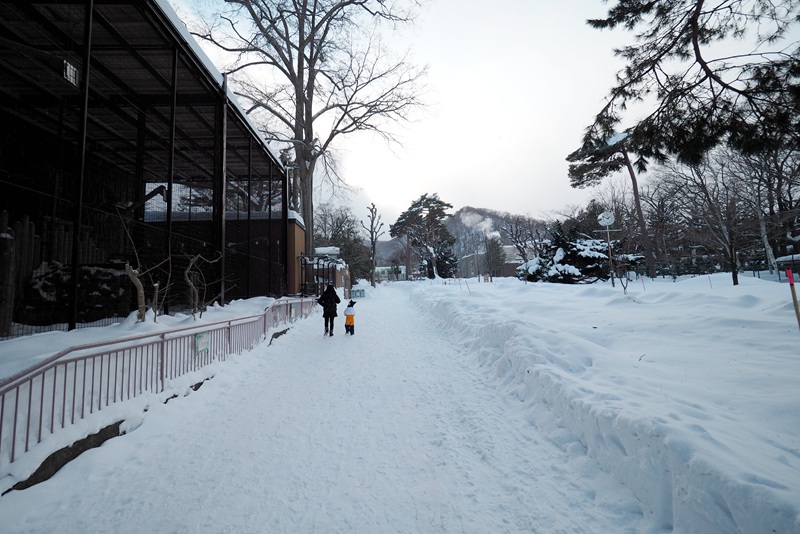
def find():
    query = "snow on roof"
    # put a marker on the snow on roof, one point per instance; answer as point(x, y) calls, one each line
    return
point(294, 216)
point(789, 258)
point(330, 251)
point(190, 41)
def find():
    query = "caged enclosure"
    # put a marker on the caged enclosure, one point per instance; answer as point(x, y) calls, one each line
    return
point(121, 145)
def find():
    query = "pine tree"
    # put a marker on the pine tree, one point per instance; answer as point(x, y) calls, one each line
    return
point(567, 258)
point(495, 258)
point(423, 224)
point(727, 71)
point(446, 262)
point(590, 165)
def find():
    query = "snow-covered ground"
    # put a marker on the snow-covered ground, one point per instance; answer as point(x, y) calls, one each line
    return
point(464, 407)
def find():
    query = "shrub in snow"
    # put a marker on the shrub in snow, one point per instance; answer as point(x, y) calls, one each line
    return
point(568, 259)
point(104, 291)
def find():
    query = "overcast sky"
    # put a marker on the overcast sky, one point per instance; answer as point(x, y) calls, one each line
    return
point(511, 90)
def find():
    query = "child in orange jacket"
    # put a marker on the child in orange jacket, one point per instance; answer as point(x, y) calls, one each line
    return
point(350, 318)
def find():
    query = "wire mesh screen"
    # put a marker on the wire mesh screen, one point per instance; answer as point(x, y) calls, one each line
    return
point(38, 225)
point(159, 176)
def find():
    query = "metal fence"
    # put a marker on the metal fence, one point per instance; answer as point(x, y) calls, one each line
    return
point(79, 381)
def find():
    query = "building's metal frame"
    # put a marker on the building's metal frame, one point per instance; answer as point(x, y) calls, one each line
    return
point(110, 110)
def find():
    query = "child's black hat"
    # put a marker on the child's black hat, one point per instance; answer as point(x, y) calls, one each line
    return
point(352, 303)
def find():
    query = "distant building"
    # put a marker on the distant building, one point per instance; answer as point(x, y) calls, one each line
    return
point(391, 273)
point(328, 268)
point(792, 261)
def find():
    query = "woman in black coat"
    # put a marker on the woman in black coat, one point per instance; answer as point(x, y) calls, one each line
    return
point(328, 301)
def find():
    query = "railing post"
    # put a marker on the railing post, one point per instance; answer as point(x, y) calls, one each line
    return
point(161, 363)
point(2, 417)
point(41, 410)
point(74, 391)
point(53, 406)
point(228, 339)
point(14, 428)
point(28, 418)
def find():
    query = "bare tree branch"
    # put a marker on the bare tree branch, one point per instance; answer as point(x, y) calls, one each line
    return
point(313, 71)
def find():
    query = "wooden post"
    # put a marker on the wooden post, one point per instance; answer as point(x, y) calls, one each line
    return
point(794, 295)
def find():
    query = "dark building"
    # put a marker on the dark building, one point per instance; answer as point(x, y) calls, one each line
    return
point(120, 143)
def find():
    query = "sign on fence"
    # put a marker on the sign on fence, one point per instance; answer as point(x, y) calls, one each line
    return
point(201, 342)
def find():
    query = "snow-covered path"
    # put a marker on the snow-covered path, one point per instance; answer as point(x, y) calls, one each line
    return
point(391, 430)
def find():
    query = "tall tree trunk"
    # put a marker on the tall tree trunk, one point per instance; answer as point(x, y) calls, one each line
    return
point(374, 264)
point(306, 164)
point(646, 242)
point(732, 258)
point(307, 211)
point(762, 227)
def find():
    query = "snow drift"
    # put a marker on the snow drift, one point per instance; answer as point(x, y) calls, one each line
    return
point(685, 392)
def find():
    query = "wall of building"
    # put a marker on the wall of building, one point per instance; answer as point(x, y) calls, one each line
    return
point(295, 247)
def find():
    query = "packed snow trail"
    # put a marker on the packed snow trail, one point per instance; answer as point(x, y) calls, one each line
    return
point(394, 429)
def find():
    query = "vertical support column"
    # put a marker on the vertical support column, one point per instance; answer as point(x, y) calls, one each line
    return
point(271, 245)
point(171, 166)
point(220, 177)
point(249, 236)
point(7, 278)
point(141, 141)
point(76, 231)
point(285, 259)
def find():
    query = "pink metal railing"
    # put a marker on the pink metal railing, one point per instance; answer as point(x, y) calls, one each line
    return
point(79, 381)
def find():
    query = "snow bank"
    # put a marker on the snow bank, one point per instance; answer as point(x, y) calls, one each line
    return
point(685, 392)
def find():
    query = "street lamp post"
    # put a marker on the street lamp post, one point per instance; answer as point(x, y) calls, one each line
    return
point(607, 219)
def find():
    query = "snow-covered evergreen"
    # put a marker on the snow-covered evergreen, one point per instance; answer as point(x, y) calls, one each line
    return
point(566, 258)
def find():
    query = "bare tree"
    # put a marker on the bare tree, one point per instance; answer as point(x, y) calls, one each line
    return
point(135, 275)
point(715, 208)
point(313, 71)
point(375, 231)
point(405, 254)
point(196, 282)
point(772, 180)
point(338, 227)
point(334, 225)
point(774, 177)
point(663, 209)
point(523, 234)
